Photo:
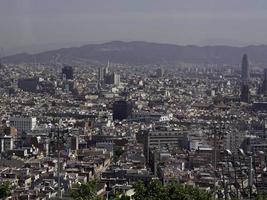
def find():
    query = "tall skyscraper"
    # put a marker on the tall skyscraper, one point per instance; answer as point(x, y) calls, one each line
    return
point(67, 73)
point(245, 75)
point(117, 79)
point(106, 70)
point(264, 83)
point(1, 64)
point(101, 74)
point(245, 94)
point(112, 79)
point(265, 75)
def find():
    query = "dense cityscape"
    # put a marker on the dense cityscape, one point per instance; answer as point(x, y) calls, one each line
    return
point(198, 125)
point(133, 100)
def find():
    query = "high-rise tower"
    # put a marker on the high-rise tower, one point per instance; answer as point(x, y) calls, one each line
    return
point(245, 94)
point(1, 65)
point(265, 75)
point(106, 70)
point(264, 83)
point(101, 74)
point(67, 73)
point(245, 69)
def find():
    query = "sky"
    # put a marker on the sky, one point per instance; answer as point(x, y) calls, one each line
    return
point(37, 22)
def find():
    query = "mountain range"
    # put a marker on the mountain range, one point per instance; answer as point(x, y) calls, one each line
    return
point(141, 53)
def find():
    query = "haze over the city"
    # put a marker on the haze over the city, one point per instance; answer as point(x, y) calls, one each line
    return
point(60, 23)
point(133, 99)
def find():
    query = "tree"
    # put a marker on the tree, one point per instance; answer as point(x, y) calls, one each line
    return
point(86, 191)
point(4, 190)
point(123, 197)
point(117, 154)
point(152, 191)
point(117, 196)
point(140, 190)
point(184, 192)
point(261, 197)
point(155, 190)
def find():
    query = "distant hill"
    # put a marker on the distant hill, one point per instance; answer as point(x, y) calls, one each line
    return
point(135, 53)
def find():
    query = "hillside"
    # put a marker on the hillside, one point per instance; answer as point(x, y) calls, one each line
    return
point(134, 53)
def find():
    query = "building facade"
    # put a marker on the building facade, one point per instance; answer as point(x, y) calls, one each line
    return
point(23, 123)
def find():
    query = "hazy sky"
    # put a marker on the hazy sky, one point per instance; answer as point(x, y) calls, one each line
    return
point(31, 22)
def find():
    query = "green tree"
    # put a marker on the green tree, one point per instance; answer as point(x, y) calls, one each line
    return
point(119, 197)
point(140, 190)
point(86, 191)
point(261, 197)
point(117, 154)
point(152, 191)
point(123, 197)
point(155, 190)
point(4, 190)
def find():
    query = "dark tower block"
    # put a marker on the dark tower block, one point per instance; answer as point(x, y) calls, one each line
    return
point(245, 75)
point(264, 83)
point(245, 94)
point(121, 110)
point(67, 73)
point(29, 84)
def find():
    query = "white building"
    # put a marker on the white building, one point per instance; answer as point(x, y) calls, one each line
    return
point(117, 79)
point(23, 123)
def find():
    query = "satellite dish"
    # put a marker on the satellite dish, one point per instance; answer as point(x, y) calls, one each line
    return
point(228, 152)
point(241, 151)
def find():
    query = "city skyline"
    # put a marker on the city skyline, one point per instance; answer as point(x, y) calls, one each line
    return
point(133, 100)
